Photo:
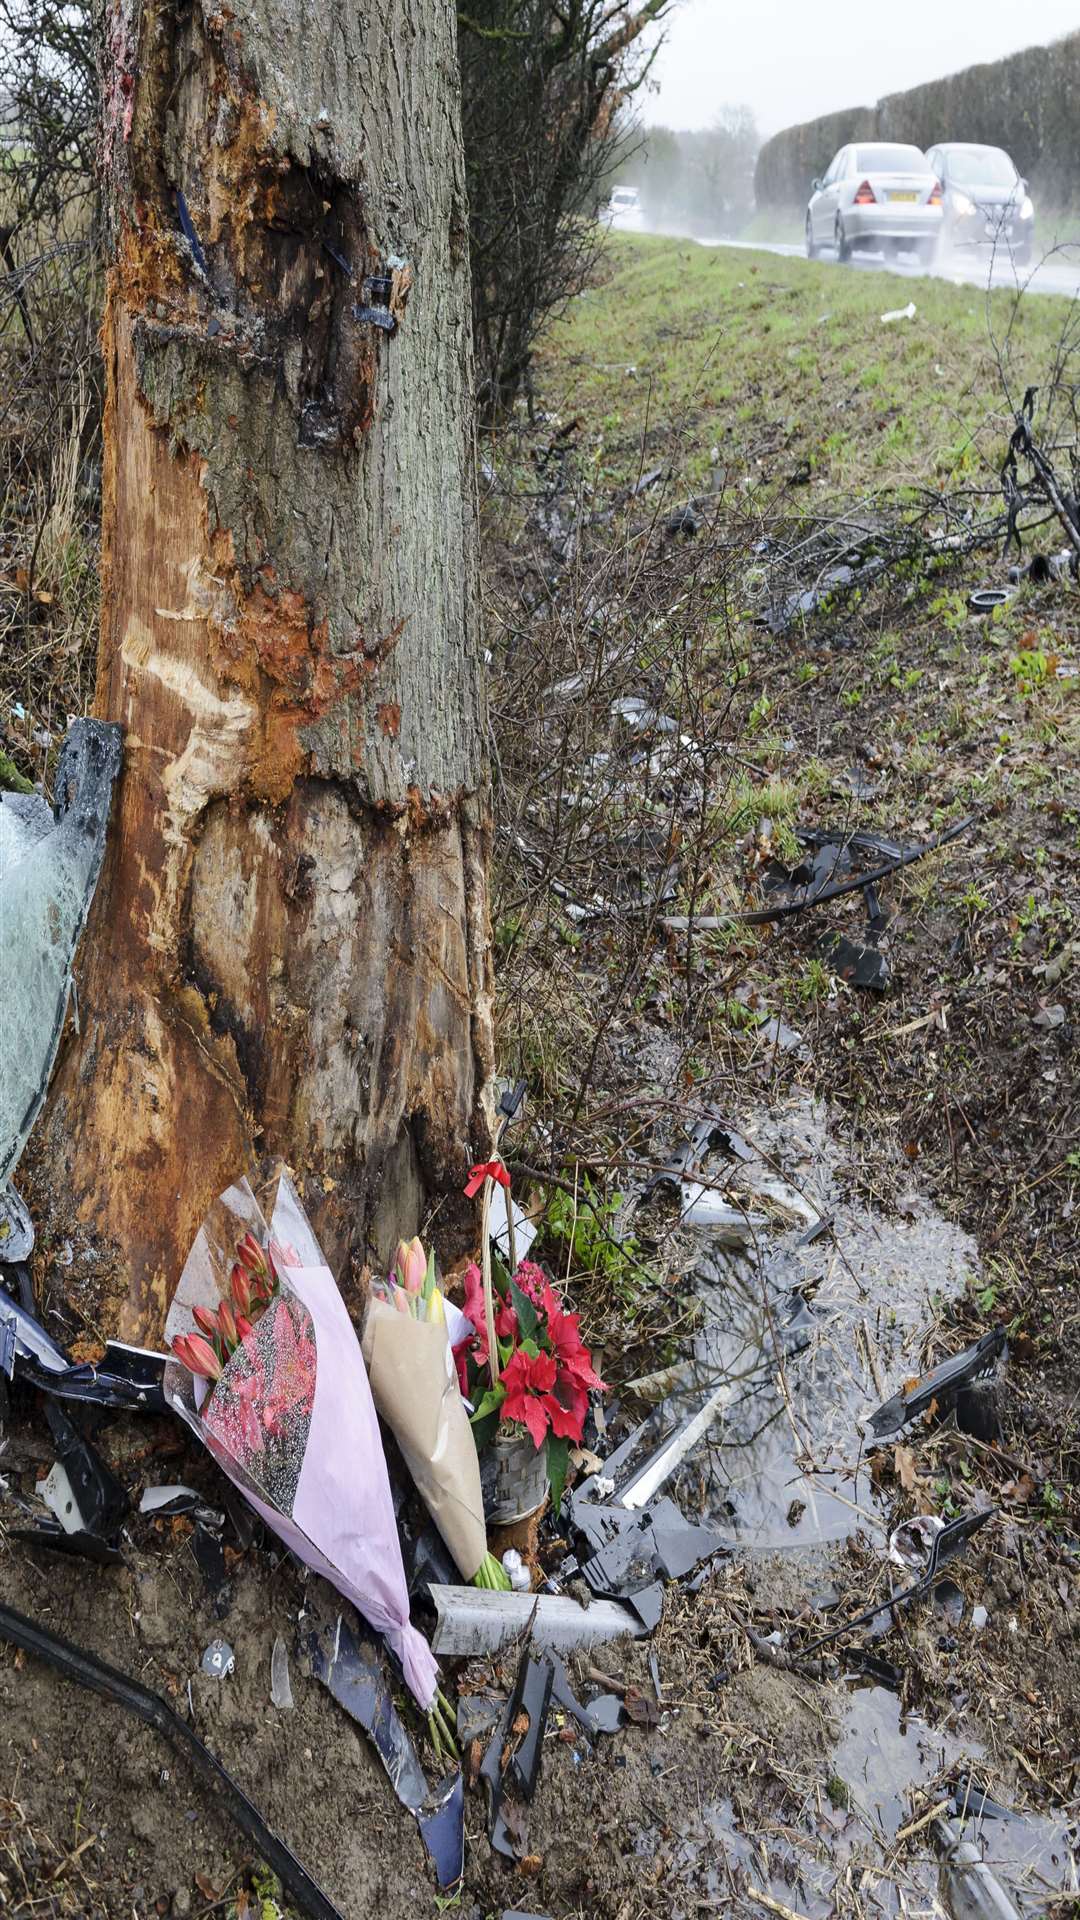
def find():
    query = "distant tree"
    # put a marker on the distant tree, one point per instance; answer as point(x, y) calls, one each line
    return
point(542, 85)
point(701, 180)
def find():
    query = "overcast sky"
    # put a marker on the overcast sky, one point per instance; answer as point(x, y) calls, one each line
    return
point(790, 60)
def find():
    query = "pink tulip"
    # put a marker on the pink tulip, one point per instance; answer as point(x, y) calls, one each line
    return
point(197, 1355)
point(410, 1263)
point(401, 1300)
point(250, 1255)
point(240, 1283)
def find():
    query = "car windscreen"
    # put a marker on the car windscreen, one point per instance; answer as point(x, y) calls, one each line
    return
point(889, 160)
point(981, 167)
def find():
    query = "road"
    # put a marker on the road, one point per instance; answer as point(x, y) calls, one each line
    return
point(1059, 274)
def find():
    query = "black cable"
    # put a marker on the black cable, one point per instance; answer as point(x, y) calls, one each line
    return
point(87, 1671)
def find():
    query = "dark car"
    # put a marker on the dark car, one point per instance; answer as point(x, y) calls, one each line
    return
point(986, 203)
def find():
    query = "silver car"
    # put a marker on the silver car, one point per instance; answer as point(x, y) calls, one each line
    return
point(987, 204)
point(878, 195)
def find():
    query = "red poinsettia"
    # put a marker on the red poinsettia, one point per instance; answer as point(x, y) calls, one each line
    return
point(528, 1380)
point(563, 1331)
point(545, 1382)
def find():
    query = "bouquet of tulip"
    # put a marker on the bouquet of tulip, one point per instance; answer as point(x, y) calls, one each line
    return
point(541, 1373)
point(407, 1348)
point(266, 1369)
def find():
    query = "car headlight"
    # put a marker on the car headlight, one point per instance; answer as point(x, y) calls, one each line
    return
point(962, 205)
point(1027, 208)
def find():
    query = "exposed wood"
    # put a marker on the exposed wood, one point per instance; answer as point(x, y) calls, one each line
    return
point(289, 947)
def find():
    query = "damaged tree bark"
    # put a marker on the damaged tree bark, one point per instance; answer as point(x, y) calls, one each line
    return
point(289, 948)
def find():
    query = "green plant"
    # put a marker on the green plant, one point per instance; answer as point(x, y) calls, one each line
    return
point(1031, 667)
point(813, 982)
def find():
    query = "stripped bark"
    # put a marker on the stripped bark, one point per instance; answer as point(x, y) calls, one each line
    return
point(289, 948)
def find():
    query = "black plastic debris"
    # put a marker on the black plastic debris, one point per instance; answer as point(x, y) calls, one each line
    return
point(606, 1713)
point(946, 1543)
point(476, 1715)
point(351, 1670)
point(944, 1384)
point(563, 1695)
point(535, 1700)
point(87, 1671)
point(126, 1376)
point(338, 259)
point(190, 235)
point(376, 312)
point(685, 521)
point(985, 599)
point(972, 1803)
point(172, 1502)
point(796, 897)
point(86, 1501)
point(209, 1553)
point(510, 1773)
point(850, 960)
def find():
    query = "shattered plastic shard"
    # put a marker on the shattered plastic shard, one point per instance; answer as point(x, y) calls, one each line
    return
point(49, 869)
point(280, 1684)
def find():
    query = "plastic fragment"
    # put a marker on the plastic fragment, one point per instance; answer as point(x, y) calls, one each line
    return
point(281, 1693)
point(969, 1889)
point(510, 1778)
point(899, 313)
point(850, 960)
point(472, 1621)
point(218, 1660)
point(352, 1671)
point(516, 1572)
point(659, 1469)
point(942, 1384)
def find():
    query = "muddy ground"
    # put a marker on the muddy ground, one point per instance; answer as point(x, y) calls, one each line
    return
point(935, 1125)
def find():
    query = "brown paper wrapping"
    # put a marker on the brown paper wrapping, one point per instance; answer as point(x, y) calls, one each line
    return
point(414, 1382)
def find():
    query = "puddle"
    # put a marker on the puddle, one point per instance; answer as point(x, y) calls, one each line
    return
point(888, 1762)
point(808, 1339)
point(844, 1835)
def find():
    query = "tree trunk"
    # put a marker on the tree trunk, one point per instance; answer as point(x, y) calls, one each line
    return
point(288, 952)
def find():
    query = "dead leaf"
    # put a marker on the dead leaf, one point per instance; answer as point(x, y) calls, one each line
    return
point(641, 1707)
point(1020, 1490)
point(206, 1886)
point(904, 1465)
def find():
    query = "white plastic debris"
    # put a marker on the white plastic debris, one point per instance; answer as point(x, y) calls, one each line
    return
point(473, 1620)
point(979, 1618)
point(59, 1496)
point(154, 1498)
point(280, 1684)
point(910, 1544)
point(524, 1230)
point(900, 313)
point(516, 1571)
point(218, 1660)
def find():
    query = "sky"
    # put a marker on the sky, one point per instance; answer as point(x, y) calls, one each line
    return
point(790, 60)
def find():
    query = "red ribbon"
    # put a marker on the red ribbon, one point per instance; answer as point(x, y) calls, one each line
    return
point(488, 1170)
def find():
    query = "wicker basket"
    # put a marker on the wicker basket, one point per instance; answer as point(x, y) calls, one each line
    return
point(513, 1479)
